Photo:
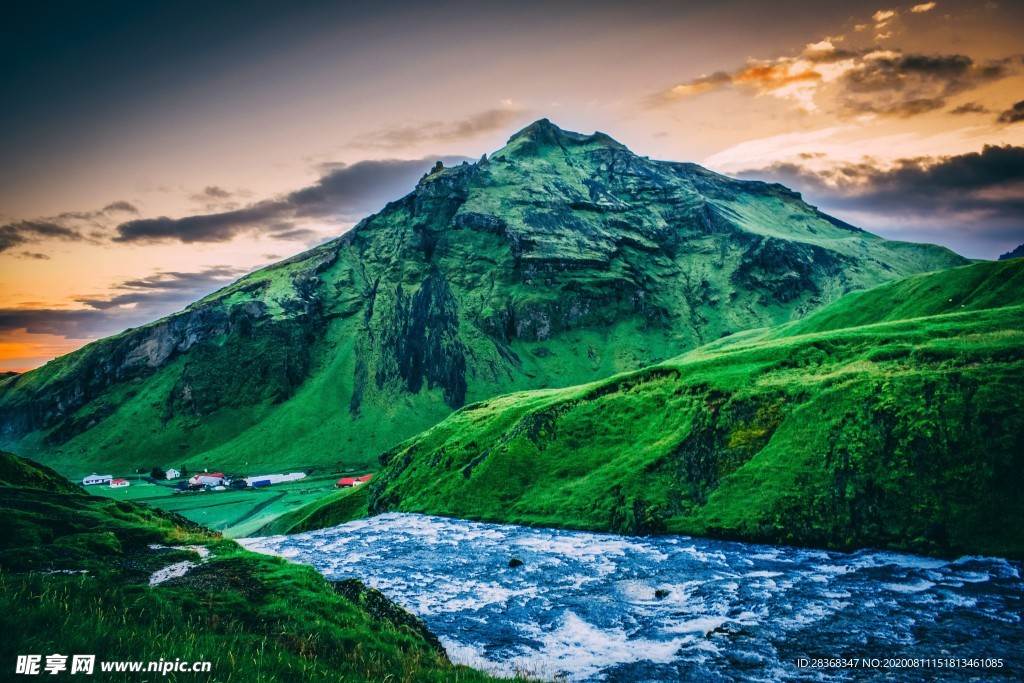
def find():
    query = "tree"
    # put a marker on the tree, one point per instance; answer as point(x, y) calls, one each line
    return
point(158, 473)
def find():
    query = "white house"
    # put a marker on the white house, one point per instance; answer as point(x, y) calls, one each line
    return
point(97, 479)
point(119, 483)
point(173, 473)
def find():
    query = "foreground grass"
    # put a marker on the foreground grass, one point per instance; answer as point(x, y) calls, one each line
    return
point(256, 618)
point(903, 428)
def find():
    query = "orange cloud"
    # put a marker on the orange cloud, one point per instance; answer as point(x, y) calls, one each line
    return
point(774, 76)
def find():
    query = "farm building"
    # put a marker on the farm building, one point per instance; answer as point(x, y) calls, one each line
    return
point(119, 483)
point(208, 479)
point(347, 482)
point(173, 473)
point(97, 479)
point(268, 479)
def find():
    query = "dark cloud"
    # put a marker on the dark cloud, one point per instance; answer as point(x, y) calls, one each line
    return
point(969, 108)
point(971, 202)
point(343, 193)
point(215, 227)
point(165, 289)
point(71, 226)
point(136, 302)
point(34, 255)
point(20, 233)
point(76, 324)
point(302, 234)
point(215, 192)
point(216, 198)
point(1013, 114)
point(120, 206)
point(898, 84)
point(440, 131)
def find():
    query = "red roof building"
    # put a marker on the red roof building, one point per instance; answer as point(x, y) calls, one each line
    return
point(345, 482)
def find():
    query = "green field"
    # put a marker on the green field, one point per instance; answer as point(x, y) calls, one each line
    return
point(233, 513)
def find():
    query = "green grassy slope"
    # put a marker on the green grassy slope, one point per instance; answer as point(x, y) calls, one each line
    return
point(74, 578)
point(561, 259)
point(338, 508)
point(900, 433)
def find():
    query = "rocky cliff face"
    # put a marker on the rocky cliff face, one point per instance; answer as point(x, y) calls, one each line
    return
point(561, 259)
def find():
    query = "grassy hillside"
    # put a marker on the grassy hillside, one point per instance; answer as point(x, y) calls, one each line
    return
point(75, 578)
point(902, 429)
point(561, 259)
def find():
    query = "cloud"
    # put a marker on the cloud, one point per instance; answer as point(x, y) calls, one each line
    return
point(70, 324)
point(439, 131)
point(795, 78)
point(215, 192)
point(870, 81)
point(972, 202)
point(69, 226)
point(1013, 114)
point(343, 193)
point(33, 255)
point(898, 84)
point(969, 108)
point(855, 80)
point(215, 227)
point(214, 198)
point(133, 302)
point(120, 206)
point(174, 288)
point(883, 17)
point(20, 233)
point(299, 234)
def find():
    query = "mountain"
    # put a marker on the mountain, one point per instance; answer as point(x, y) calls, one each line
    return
point(77, 578)
point(1016, 253)
point(563, 258)
point(892, 418)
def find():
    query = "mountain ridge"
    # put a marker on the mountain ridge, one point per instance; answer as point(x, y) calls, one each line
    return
point(561, 258)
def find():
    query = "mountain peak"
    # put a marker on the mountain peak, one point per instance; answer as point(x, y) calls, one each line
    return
point(539, 130)
point(542, 134)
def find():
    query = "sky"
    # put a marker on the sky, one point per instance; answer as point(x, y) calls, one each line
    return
point(154, 152)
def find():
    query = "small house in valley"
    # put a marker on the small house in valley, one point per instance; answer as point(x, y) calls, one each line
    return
point(173, 473)
point(119, 483)
point(208, 479)
point(94, 479)
point(348, 482)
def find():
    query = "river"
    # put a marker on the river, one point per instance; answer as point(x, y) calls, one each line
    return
point(600, 607)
